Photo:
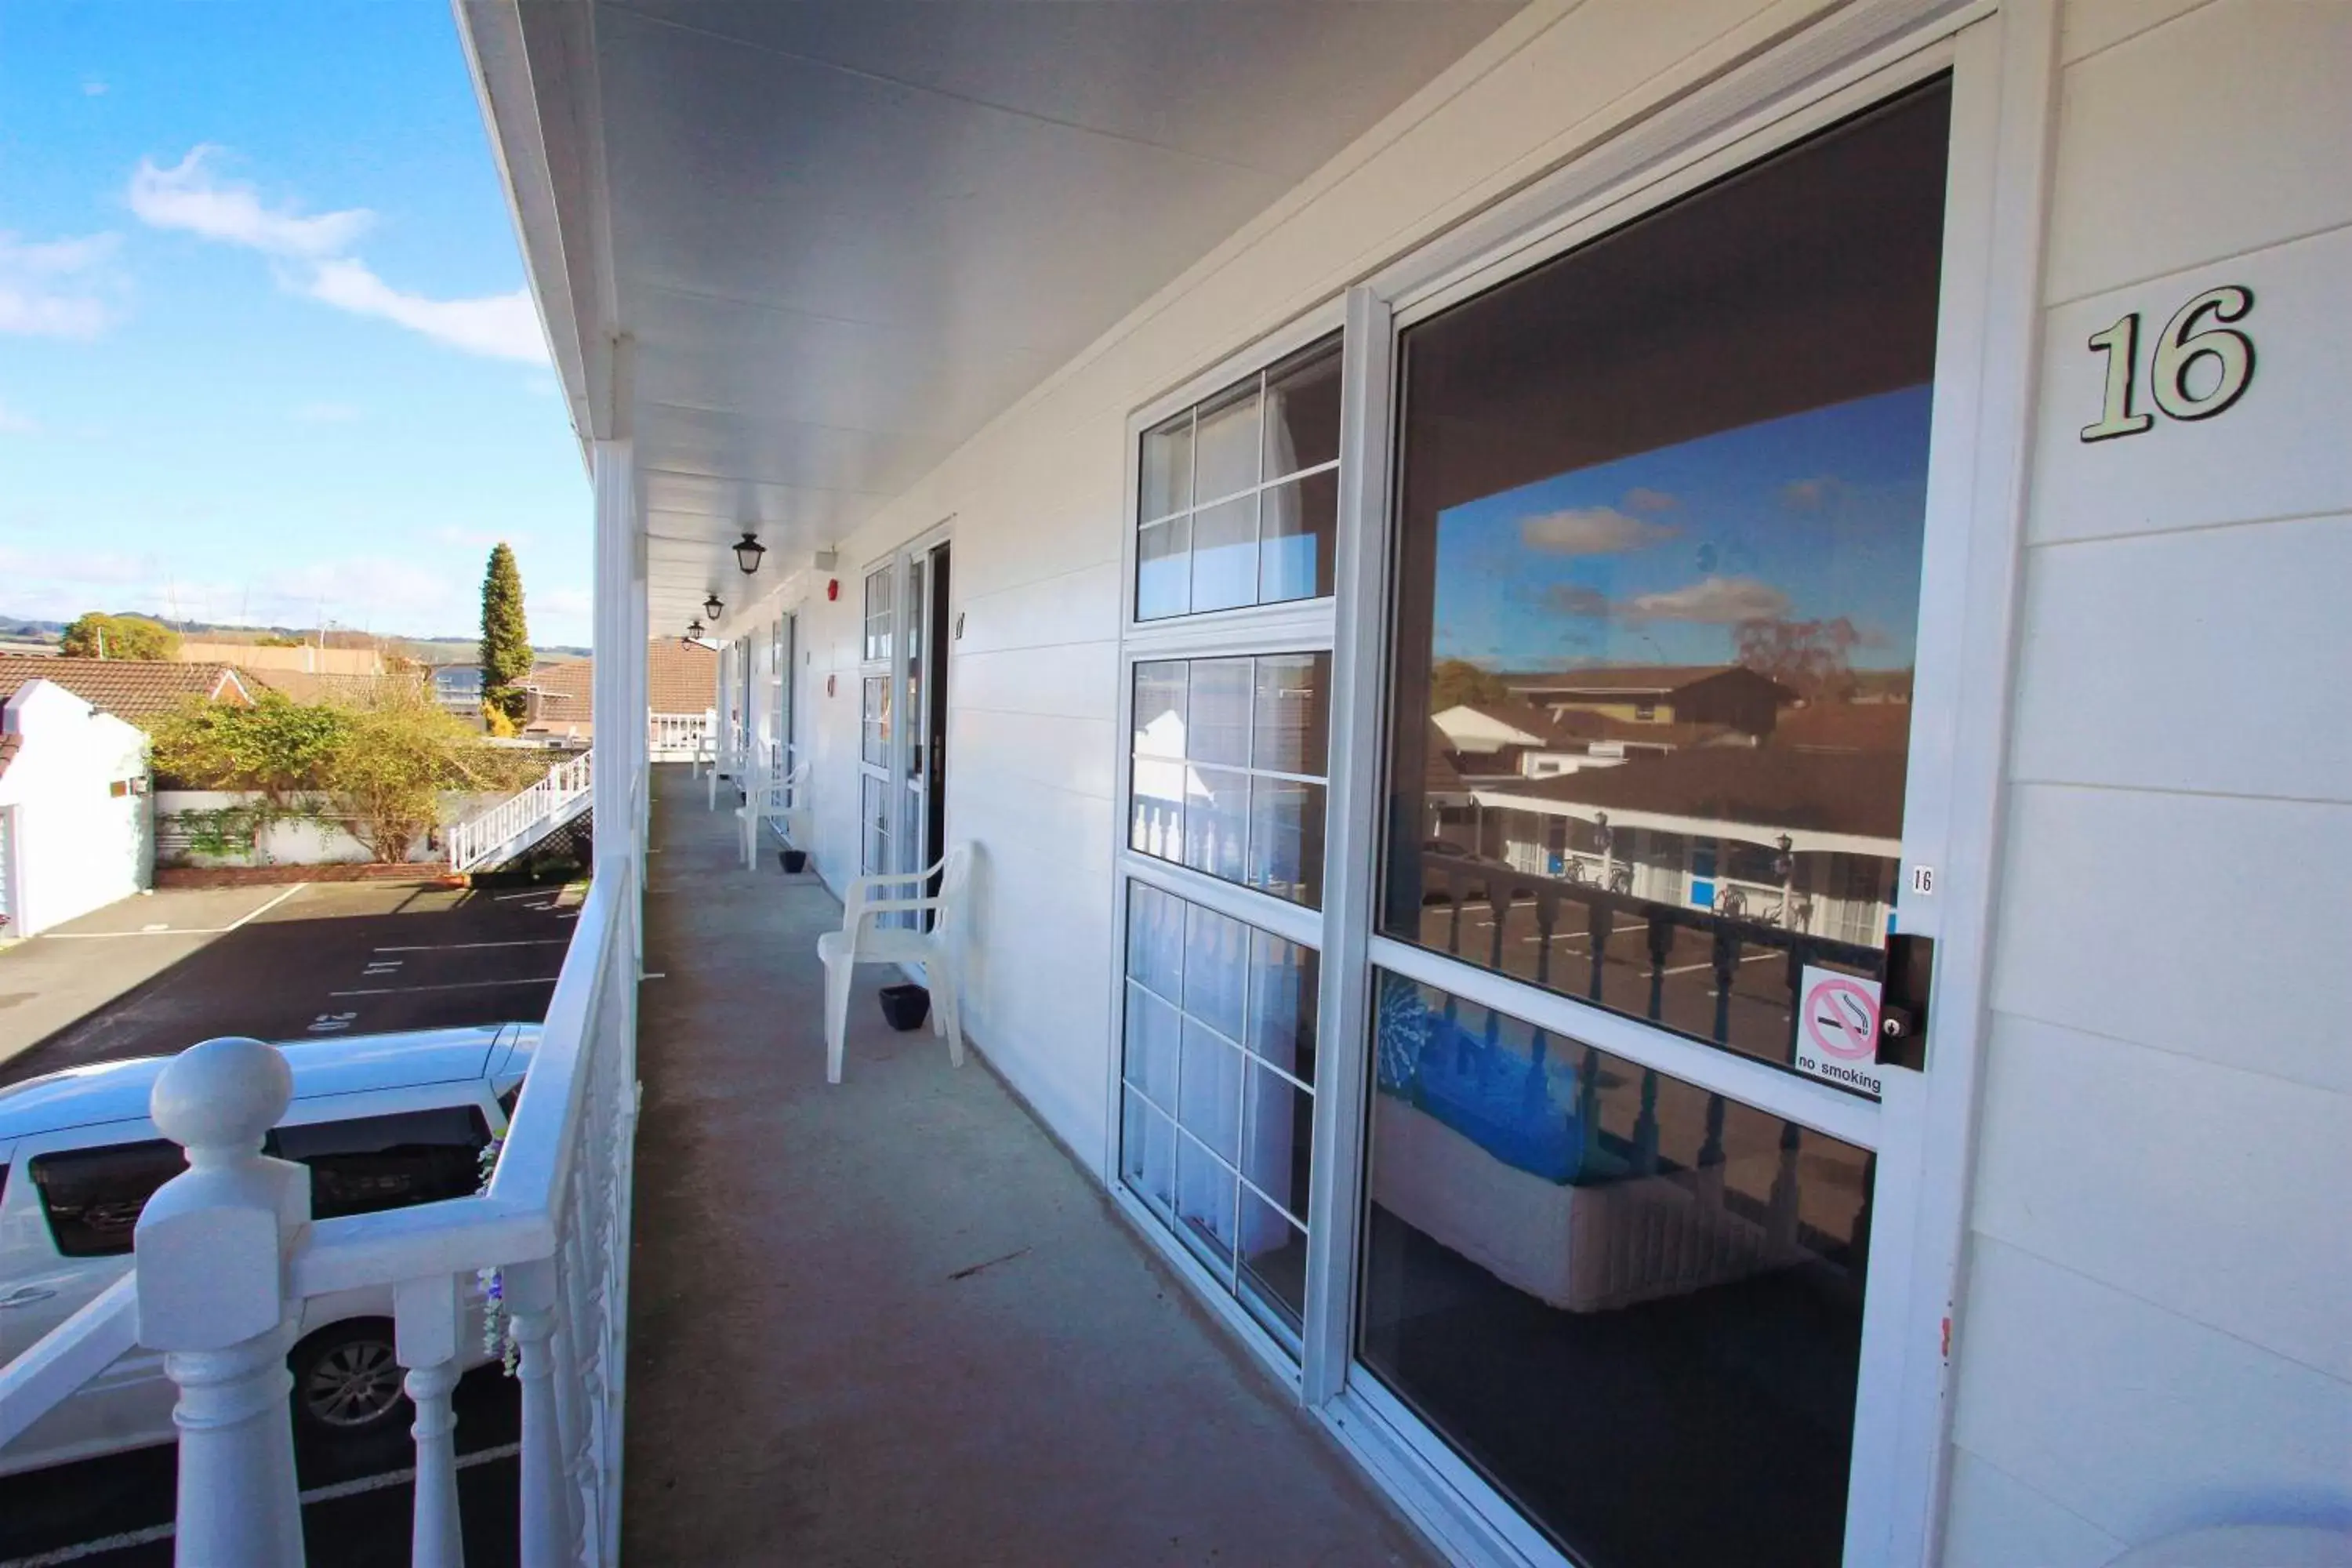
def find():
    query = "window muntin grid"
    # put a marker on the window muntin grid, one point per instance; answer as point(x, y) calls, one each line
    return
point(1230, 764)
point(1238, 496)
point(1217, 1094)
point(877, 614)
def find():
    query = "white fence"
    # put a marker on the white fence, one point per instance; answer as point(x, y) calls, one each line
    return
point(554, 798)
point(680, 737)
point(227, 1252)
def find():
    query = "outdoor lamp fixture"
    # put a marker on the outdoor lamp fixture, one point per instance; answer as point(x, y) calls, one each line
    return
point(1785, 862)
point(694, 631)
point(748, 552)
point(711, 606)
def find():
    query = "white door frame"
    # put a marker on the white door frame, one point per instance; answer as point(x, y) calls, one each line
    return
point(899, 786)
point(1705, 119)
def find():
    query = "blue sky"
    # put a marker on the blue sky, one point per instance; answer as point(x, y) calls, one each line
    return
point(264, 352)
point(1657, 558)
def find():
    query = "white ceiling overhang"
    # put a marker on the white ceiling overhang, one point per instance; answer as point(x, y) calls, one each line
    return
point(840, 236)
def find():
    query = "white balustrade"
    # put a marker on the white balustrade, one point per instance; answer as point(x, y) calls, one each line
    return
point(546, 800)
point(679, 737)
point(227, 1252)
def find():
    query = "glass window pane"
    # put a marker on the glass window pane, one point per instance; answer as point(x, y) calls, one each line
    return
point(1163, 570)
point(1209, 1092)
point(1156, 819)
point(1278, 1139)
point(1286, 840)
point(1293, 714)
point(1281, 1027)
point(1159, 709)
point(1272, 1266)
point(1146, 1155)
point(1297, 521)
point(370, 1164)
point(1168, 468)
point(1218, 726)
point(1662, 508)
point(1575, 1267)
point(1302, 411)
point(1206, 1194)
point(877, 614)
point(1224, 555)
point(93, 1197)
point(1217, 821)
point(1216, 968)
point(1155, 940)
point(1224, 445)
point(874, 720)
point(1154, 1033)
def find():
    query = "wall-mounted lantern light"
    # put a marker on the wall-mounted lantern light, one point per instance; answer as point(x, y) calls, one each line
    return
point(747, 551)
point(711, 606)
point(694, 631)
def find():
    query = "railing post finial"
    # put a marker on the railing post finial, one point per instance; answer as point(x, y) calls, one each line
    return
point(212, 1246)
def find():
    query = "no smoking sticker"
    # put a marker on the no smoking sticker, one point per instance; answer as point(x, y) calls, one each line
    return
point(1837, 1030)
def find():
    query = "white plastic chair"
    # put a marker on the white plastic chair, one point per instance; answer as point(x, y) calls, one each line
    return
point(775, 798)
point(859, 941)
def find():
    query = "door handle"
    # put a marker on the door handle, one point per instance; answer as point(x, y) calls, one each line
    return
point(26, 1296)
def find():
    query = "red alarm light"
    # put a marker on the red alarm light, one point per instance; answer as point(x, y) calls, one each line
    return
point(832, 588)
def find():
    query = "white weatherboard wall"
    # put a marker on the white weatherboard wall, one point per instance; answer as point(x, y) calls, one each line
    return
point(2152, 1334)
point(77, 846)
point(2157, 1330)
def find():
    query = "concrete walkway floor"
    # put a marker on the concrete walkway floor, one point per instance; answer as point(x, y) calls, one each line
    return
point(890, 1322)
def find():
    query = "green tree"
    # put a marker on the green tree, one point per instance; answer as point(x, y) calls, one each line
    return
point(1457, 681)
point(100, 636)
point(278, 746)
point(404, 751)
point(506, 639)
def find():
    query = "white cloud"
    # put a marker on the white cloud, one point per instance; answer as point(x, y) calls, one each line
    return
point(93, 88)
point(501, 326)
point(1714, 601)
point(192, 198)
point(1642, 498)
point(59, 288)
point(317, 252)
point(1589, 530)
point(14, 423)
point(324, 414)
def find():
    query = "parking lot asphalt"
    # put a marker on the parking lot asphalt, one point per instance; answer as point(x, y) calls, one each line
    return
point(154, 974)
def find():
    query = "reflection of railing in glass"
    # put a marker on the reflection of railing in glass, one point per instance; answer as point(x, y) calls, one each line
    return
point(1527, 911)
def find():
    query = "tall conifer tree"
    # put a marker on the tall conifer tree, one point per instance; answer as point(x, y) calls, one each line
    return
point(506, 639)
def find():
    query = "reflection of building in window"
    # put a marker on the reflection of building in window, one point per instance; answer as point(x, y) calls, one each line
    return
point(1808, 839)
point(1730, 695)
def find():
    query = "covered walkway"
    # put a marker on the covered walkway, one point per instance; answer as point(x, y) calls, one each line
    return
point(891, 1322)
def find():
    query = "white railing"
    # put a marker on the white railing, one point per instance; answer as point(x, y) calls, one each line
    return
point(679, 737)
point(548, 800)
point(227, 1252)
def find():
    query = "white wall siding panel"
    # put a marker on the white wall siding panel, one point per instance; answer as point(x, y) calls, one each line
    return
point(1080, 605)
point(1072, 679)
point(2191, 661)
point(2134, 1418)
point(1034, 752)
point(2153, 1331)
point(2157, 1201)
point(1999, 1522)
point(2278, 452)
point(2217, 133)
point(2208, 925)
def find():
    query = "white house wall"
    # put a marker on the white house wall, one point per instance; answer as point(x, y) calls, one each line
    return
point(77, 846)
point(2152, 1332)
point(2157, 1330)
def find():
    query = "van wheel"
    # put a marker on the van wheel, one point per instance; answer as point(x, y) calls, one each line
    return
point(346, 1380)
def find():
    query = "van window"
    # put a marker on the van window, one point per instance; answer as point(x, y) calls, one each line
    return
point(93, 1196)
point(375, 1162)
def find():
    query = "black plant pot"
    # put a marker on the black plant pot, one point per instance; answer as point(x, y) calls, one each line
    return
point(792, 860)
point(906, 1007)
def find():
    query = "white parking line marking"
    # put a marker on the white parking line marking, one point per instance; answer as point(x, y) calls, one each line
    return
point(340, 1489)
point(264, 908)
point(453, 986)
point(170, 930)
point(454, 946)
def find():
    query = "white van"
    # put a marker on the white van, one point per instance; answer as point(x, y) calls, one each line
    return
point(382, 1121)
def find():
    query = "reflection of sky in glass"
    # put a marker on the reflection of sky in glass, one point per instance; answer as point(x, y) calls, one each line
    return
point(1657, 558)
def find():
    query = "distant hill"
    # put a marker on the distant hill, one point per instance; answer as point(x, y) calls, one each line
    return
point(425, 650)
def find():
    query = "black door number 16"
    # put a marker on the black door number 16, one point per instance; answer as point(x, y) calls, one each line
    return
point(2184, 342)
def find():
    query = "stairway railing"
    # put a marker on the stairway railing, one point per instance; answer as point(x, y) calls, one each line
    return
point(479, 838)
